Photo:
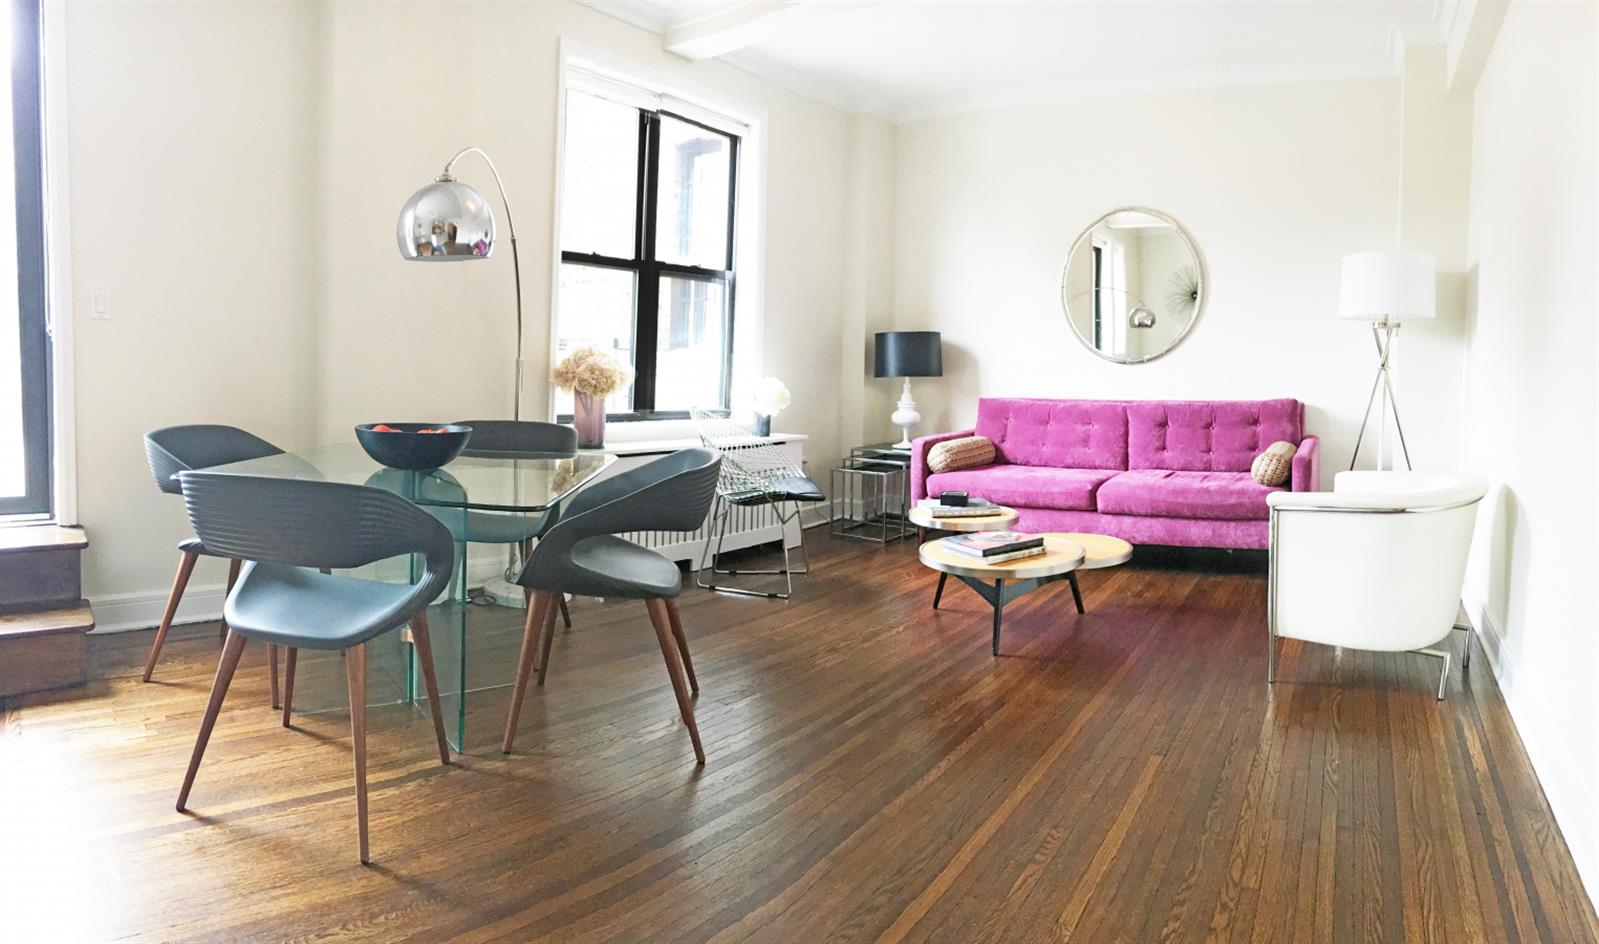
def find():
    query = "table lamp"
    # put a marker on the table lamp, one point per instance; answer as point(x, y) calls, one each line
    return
point(448, 221)
point(908, 354)
point(1386, 288)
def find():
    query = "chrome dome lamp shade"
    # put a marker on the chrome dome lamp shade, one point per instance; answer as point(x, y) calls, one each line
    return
point(447, 221)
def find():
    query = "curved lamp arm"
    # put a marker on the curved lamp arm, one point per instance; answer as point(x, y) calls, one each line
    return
point(516, 262)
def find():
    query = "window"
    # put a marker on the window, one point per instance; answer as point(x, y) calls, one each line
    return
point(648, 202)
point(24, 340)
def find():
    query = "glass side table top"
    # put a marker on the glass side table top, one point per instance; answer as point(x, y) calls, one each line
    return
point(499, 481)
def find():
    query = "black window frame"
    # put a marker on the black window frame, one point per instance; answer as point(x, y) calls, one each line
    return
point(27, 120)
point(648, 270)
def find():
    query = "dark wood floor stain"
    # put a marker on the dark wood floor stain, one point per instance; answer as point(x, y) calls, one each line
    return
point(873, 775)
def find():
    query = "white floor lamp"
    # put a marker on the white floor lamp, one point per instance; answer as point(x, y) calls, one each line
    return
point(1386, 288)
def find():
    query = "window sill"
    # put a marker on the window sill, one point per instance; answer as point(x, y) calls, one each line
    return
point(666, 445)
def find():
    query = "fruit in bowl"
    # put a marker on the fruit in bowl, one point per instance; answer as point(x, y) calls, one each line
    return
point(413, 446)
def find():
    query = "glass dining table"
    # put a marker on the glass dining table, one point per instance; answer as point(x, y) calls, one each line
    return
point(459, 495)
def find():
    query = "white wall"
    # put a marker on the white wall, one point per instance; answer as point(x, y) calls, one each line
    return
point(191, 152)
point(1275, 184)
point(864, 405)
point(1532, 413)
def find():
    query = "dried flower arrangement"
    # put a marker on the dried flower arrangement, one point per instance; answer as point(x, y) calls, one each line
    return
point(591, 371)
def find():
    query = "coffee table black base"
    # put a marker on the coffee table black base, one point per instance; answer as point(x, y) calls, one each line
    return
point(1001, 592)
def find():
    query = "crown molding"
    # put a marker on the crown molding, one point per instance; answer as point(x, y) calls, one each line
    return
point(842, 94)
point(1283, 74)
point(645, 16)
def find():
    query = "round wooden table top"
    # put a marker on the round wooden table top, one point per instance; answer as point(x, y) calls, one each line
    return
point(1060, 556)
point(1002, 518)
point(1102, 550)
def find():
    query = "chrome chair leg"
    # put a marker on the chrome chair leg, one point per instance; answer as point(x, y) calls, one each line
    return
point(1271, 658)
point(1465, 657)
point(1443, 678)
point(717, 517)
point(719, 533)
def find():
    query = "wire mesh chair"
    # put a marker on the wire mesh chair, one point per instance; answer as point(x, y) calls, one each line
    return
point(755, 471)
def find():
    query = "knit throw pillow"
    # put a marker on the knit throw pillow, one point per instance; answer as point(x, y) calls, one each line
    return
point(968, 452)
point(1275, 466)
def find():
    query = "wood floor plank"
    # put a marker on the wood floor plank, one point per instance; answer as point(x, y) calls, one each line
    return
point(873, 774)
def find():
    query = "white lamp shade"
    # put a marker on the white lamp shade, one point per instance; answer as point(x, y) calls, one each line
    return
point(1391, 285)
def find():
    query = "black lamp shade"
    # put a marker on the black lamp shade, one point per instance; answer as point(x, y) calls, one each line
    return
point(909, 354)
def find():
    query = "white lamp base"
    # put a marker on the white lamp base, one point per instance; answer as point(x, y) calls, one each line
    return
point(905, 416)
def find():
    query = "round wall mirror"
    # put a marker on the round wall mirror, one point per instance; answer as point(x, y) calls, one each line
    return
point(1133, 286)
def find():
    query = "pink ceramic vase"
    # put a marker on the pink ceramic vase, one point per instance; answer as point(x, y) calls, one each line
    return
point(588, 415)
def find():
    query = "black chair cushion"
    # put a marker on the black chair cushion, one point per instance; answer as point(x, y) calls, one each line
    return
point(795, 488)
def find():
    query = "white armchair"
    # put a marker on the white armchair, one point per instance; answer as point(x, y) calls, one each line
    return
point(1377, 563)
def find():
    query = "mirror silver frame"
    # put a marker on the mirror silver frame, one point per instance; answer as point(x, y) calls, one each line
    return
point(1199, 301)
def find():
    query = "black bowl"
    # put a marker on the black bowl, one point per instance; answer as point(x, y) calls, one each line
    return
point(406, 448)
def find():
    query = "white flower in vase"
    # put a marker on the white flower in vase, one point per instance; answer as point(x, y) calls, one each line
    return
point(769, 398)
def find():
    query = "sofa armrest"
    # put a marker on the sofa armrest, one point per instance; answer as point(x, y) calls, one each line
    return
point(919, 448)
point(1306, 476)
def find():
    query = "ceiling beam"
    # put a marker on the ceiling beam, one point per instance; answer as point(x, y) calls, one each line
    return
point(748, 23)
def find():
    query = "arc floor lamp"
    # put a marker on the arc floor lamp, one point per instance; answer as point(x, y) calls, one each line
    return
point(449, 221)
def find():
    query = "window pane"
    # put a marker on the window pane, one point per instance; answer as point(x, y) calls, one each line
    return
point(690, 344)
point(13, 457)
point(599, 183)
point(691, 218)
point(596, 308)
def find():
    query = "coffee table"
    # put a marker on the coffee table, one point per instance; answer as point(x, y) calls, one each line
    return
point(1003, 582)
point(1066, 553)
point(1001, 518)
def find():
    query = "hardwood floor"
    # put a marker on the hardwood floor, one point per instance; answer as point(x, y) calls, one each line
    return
point(873, 775)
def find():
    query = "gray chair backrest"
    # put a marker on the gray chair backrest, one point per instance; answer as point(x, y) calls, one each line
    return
point(520, 436)
point(174, 449)
point(673, 493)
point(326, 525)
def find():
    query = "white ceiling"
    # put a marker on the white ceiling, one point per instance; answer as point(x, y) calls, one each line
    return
point(911, 59)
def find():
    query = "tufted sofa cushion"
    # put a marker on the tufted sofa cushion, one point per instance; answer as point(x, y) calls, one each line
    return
point(1226, 496)
point(1219, 436)
point(1026, 486)
point(1062, 434)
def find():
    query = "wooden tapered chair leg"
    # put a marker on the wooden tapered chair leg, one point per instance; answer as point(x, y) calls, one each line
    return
point(272, 669)
point(185, 568)
point(524, 663)
point(231, 650)
point(566, 615)
point(233, 578)
point(662, 621)
point(424, 655)
point(682, 644)
point(548, 630)
point(289, 659)
point(355, 671)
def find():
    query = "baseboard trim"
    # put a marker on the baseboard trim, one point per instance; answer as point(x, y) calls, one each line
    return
point(122, 612)
point(1550, 759)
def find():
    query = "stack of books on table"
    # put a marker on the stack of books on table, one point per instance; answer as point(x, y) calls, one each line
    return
point(991, 547)
point(974, 508)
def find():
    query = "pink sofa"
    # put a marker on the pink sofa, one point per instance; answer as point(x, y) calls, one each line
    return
point(1151, 472)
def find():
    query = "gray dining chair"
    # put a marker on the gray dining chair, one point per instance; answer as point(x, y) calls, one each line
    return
point(293, 533)
point(582, 554)
point(174, 449)
point(504, 437)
